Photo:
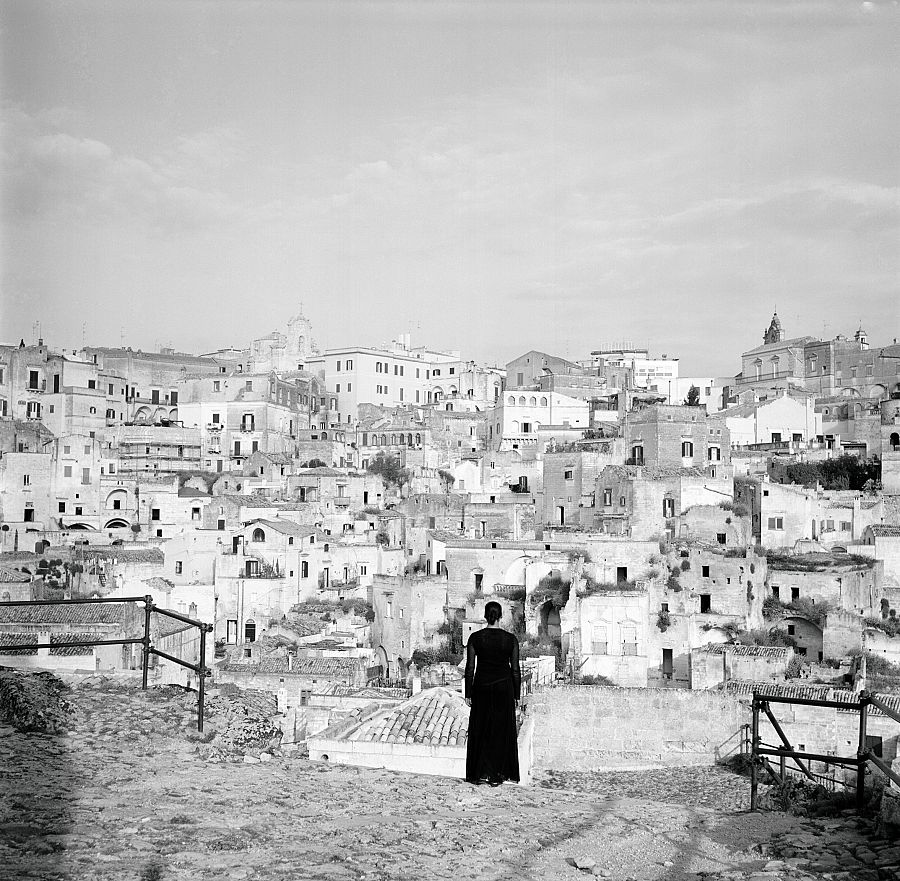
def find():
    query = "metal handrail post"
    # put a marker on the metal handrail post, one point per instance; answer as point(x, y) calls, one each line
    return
point(145, 661)
point(754, 739)
point(861, 752)
point(201, 688)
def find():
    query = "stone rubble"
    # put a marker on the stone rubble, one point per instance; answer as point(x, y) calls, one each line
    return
point(129, 792)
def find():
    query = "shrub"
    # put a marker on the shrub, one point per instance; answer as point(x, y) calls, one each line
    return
point(739, 509)
point(663, 621)
point(807, 608)
point(594, 680)
point(685, 565)
point(553, 589)
point(443, 655)
point(890, 626)
point(773, 608)
point(727, 505)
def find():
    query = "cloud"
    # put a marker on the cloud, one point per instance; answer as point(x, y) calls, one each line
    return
point(55, 174)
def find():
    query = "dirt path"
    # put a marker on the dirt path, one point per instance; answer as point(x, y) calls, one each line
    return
point(125, 795)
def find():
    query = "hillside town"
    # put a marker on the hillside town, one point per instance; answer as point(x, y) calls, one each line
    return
point(340, 516)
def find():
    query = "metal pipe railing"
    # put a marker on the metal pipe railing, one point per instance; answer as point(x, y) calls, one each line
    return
point(145, 641)
point(760, 752)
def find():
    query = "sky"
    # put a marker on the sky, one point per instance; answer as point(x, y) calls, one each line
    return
point(488, 177)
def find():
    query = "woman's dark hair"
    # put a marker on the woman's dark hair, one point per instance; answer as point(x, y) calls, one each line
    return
point(493, 612)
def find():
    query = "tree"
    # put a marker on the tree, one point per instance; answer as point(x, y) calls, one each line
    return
point(447, 479)
point(388, 468)
point(693, 397)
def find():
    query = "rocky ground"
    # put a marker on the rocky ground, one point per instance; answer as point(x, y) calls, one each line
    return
point(130, 791)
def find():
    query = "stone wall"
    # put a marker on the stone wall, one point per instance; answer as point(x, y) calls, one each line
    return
point(582, 728)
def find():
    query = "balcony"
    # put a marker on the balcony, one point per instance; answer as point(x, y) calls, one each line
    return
point(342, 502)
point(39, 388)
point(214, 426)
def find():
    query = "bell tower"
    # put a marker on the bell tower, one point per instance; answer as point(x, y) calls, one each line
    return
point(774, 334)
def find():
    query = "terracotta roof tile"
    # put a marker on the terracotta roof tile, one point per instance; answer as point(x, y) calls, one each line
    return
point(747, 651)
point(436, 716)
point(8, 575)
point(80, 614)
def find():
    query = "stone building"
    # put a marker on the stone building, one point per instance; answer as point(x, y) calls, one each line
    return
point(785, 514)
point(409, 611)
point(240, 414)
point(524, 419)
point(714, 664)
point(669, 436)
point(646, 502)
point(570, 477)
point(785, 420)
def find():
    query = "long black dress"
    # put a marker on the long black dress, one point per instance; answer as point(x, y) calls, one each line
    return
point(494, 684)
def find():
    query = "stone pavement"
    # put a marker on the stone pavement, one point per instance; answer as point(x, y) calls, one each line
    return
point(129, 792)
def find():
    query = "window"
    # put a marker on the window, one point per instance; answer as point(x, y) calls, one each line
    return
point(704, 571)
point(791, 629)
point(776, 591)
point(598, 640)
point(85, 476)
point(67, 470)
point(258, 535)
point(363, 569)
point(569, 474)
point(215, 418)
point(705, 602)
point(668, 507)
point(607, 497)
point(28, 515)
point(776, 522)
point(337, 388)
point(721, 538)
point(304, 569)
point(154, 514)
point(217, 386)
point(795, 593)
point(78, 511)
point(687, 449)
point(62, 507)
point(178, 567)
point(117, 504)
point(26, 480)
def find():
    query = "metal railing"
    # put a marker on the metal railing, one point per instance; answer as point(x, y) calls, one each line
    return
point(144, 641)
point(760, 753)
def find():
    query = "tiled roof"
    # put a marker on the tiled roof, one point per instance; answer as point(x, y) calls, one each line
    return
point(72, 649)
point(157, 583)
point(885, 530)
point(436, 716)
point(277, 662)
point(814, 692)
point(337, 689)
point(8, 575)
point(11, 639)
point(125, 555)
point(79, 614)
point(775, 689)
point(287, 527)
point(746, 651)
point(188, 492)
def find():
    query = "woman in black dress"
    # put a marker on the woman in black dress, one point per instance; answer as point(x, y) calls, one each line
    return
point(493, 689)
